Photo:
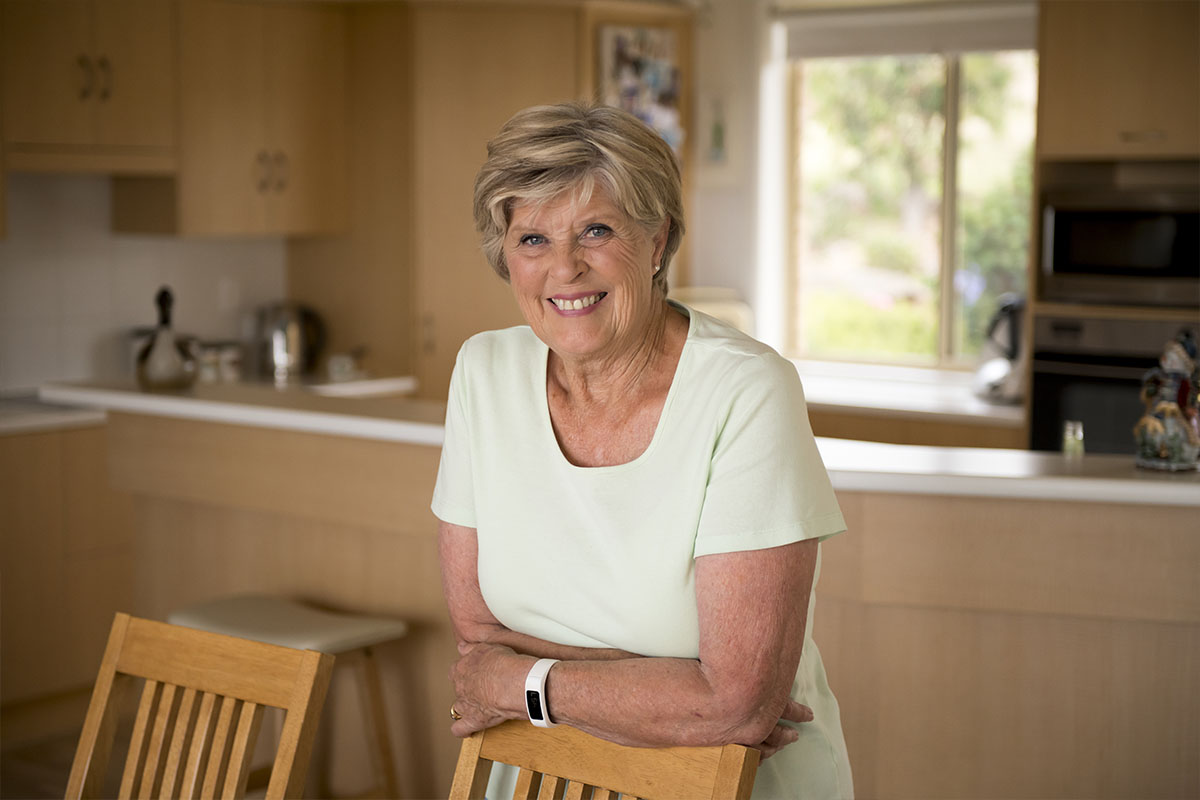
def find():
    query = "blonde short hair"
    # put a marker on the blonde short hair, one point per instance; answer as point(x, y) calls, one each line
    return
point(544, 151)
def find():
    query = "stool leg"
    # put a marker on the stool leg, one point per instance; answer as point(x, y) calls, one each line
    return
point(375, 714)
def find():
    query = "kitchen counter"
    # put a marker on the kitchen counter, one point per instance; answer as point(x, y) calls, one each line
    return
point(295, 408)
point(852, 465)
point(29, 415)
point(959, 567)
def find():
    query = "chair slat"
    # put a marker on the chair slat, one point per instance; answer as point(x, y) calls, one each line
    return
point(160, 731)
point(552, 788)
point(578, 791)
point(242, 749)
point(177, 749)
point(198, 749)
point(219, 751)
point(140, 739)
point(605, 794)
point(528, 783)
point(471, 773)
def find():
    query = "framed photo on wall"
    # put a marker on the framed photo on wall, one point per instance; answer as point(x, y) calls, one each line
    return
point(639, 71)
point(638, 56)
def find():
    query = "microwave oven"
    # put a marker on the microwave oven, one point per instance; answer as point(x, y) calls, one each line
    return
point(1122, 246)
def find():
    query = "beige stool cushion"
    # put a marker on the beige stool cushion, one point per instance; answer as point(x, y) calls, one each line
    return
point(277, 620)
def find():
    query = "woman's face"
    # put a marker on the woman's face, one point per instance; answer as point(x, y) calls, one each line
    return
point(582, 274)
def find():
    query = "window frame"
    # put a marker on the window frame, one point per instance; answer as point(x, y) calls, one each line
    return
point(951, 31)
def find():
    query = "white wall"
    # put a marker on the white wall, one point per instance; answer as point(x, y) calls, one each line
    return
point(723, 227)
point(71, 292)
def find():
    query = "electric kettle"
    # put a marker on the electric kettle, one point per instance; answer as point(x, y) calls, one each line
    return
point(1001, 376)
point(290, 338)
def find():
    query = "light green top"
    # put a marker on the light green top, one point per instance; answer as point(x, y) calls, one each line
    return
point(604, 556)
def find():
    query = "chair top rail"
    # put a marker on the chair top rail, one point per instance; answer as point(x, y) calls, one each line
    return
point(199, 659)
point(670, 772)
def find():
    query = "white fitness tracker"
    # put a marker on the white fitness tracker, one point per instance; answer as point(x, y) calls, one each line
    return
point(535, 693)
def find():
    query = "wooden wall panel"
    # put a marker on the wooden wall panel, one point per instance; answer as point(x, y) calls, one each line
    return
point(1032, 556)
point(1001, 648)
point(333, 478)
point(476, 65)
point(362, 283)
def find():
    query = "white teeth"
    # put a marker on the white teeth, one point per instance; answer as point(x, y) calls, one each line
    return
point(576, 304)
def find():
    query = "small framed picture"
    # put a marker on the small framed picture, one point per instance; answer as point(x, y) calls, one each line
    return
point(639, 70)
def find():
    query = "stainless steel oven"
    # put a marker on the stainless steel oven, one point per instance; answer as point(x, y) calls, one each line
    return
point(1091, 370)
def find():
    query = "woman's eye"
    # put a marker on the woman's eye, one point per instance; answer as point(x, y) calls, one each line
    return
point(596, 231)
point(533, 239)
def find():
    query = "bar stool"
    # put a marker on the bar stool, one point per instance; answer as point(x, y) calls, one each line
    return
point(276, 620)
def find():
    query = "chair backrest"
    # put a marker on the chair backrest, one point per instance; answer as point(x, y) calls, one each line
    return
point(564, 762)
point(199, 713)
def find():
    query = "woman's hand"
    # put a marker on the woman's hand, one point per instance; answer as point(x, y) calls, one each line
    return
point(480, 677)
point(783, 735)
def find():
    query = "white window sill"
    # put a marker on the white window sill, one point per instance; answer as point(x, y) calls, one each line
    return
point(935, 394)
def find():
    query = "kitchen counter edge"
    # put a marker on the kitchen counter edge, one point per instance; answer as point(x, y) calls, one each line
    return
point(852, 465)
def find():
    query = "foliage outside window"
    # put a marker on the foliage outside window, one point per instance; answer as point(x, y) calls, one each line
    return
point(913, 199)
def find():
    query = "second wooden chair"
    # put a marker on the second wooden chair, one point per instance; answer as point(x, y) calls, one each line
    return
point(201, 705)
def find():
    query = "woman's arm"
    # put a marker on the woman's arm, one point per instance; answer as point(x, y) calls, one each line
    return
point(752, 608)
point(473, 621)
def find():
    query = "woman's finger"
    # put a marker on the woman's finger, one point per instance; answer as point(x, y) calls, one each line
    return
point(796, 712)
point(779, 737)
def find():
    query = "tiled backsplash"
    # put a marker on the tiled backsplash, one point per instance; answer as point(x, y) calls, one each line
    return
point(71, 291)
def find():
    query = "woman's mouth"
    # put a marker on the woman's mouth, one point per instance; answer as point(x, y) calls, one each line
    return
point(577, 303)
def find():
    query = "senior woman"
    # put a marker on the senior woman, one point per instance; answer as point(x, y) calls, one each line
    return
point(630, 496)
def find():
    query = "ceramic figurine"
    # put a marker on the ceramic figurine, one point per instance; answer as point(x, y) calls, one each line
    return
point(1168, 434)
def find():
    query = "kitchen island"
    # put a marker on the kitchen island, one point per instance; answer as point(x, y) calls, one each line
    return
point(994, 623)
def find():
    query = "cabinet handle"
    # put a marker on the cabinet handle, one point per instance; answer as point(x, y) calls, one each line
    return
point(106, 80)
point(88, 74)
point(264, 170)
point(282, 170)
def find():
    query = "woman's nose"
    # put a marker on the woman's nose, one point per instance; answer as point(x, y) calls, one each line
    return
point(568, 266)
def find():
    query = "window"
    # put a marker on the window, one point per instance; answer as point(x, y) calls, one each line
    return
point(911, 195)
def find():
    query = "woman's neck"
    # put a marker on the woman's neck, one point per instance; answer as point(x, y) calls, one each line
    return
point(603, 378)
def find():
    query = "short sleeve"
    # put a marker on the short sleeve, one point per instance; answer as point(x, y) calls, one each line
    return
point(454, 493)
point(767, 485)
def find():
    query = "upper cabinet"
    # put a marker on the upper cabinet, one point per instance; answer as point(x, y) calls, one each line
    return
point(89, 85)
point(1119, 79)
point(262, 145)
point(262, 126)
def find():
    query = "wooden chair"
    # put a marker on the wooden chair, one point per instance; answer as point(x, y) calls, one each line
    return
point(559, 760)
point(199, 713)
point(352, 638)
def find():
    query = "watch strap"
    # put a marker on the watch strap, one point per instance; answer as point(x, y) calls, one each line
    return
point(535, 693)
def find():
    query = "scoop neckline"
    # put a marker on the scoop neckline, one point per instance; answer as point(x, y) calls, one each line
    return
point(644, 456)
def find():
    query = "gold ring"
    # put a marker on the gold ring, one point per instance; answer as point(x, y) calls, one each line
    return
point(454, 715)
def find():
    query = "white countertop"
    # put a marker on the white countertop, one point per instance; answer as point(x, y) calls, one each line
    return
point(852, 465)
point(391, 419)
point(28, 415)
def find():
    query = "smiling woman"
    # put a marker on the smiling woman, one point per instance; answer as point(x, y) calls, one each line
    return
point(630, 496)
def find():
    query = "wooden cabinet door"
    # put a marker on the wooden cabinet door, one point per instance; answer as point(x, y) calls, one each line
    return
point(306, 112)
point(49, 77)
point(135, 54)
point(461, 100)
point(224, 174)
point(1119, 79)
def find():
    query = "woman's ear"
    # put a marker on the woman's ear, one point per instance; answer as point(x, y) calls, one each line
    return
point(660, 240)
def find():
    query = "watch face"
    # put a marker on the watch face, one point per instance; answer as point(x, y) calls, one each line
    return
point(534, 703)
